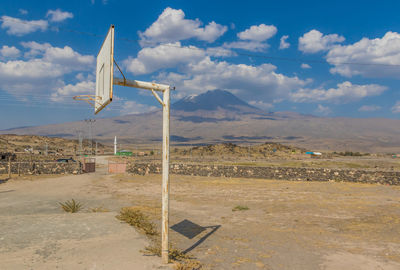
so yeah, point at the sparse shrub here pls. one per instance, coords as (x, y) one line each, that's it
(138, 220)
(240, 208)
(71, 206)
(188, 265)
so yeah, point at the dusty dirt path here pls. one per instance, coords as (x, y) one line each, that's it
(289, 225)
(36, 234)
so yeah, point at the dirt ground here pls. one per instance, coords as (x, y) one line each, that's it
(288, 225)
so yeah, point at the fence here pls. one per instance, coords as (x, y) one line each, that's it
(40, 167)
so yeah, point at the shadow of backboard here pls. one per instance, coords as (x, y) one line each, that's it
(188, 228)
(191, 230)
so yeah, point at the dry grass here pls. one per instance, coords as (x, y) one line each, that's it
(240, 208)
(71, 206)
(135, 217)
(138, 220)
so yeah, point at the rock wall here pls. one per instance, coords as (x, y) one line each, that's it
(283, 173)
(41, 168)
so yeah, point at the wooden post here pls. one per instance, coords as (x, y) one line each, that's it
(19, 172)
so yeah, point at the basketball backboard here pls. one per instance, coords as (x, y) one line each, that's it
(105, 72)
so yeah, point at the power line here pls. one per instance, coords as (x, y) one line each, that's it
(216, 49)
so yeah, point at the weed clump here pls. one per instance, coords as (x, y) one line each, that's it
(71, 206)
(138, 220)
(240, 208)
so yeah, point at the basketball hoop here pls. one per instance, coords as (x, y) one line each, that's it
(90, 99)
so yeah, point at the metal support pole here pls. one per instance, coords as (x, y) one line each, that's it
(165, 177)
(9, 167)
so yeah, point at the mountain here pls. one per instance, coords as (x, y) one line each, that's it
(214, 100)
(219, 116)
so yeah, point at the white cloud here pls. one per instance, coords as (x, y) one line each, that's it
(58, 15)
(43, 74)
(169, 55)
(258, 33)
(35, 48)
(9, 52)
(261, 104)
(247, 81)
(171, 26)
(324, 110)
(344, 92)
(20, 27)
(305, 66)
(283, 43)
(80, 88)
(369, 108)
(396, 107)
(132, 107)
(253, 46)
(314, 41)
(379, 51)
(252, 38)
(23, 11)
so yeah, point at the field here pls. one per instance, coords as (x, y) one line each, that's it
(224, 223)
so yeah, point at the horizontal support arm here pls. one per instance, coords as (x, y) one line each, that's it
(139, 84)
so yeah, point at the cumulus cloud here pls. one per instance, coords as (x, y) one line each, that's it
(35, 48)
(369, 108)
(244, 80)
(171, 26)
(396, 107)
(344, 92)
(23, 11)
(80, 88)
(252, 39)
(44, 73)
(324, 110)
(261, 105)
(305, 66)
(314, 41)
(132, 107)
(253, 46)
(258, 33)
(377, 52)
(283, 43)
(20, 27)
(58, 15)
(163, 56)
(9, 52)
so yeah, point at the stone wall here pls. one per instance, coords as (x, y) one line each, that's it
(279, 173)
(41, 168)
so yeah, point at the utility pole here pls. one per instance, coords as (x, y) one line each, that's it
(80, 143)
(90, 122)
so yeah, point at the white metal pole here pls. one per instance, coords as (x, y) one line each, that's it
(165, 177)
(115, 145)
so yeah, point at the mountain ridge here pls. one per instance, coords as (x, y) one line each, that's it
(229, 119)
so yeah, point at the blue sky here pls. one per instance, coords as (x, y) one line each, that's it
(337, 59)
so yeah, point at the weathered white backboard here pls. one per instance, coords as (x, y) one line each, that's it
(105, 72)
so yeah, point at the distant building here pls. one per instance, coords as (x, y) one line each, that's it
(314, 154)
(124, 153)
